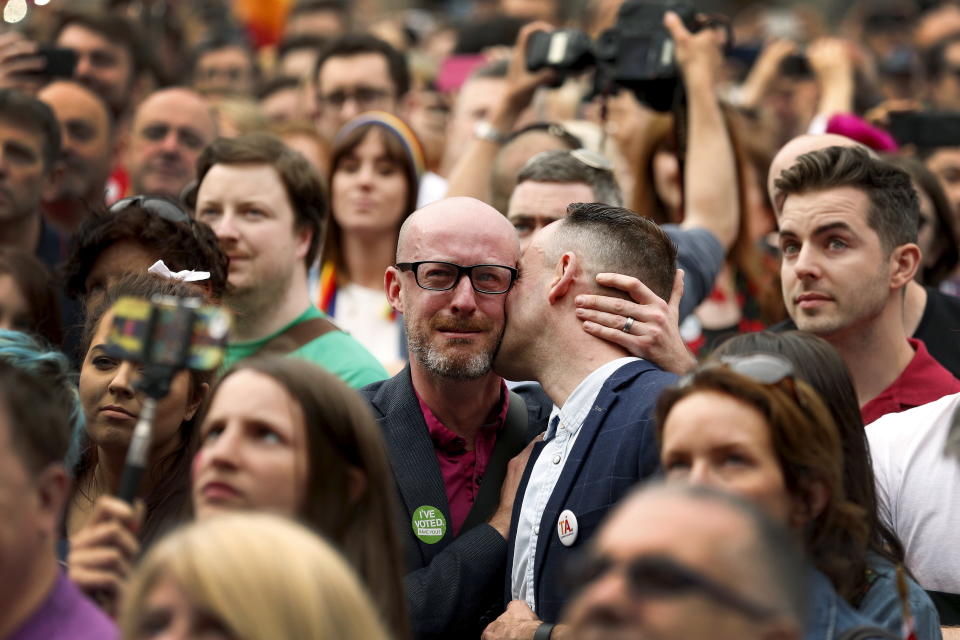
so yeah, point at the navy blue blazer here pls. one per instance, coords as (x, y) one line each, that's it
(453, 585)
(615, 448)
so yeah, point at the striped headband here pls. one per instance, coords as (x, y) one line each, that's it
(396, 126)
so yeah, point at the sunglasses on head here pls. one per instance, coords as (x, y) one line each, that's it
(160, 207)
(659, 576)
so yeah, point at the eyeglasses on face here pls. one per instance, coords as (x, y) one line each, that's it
(659, 576)
(443, 276)
(364, 97)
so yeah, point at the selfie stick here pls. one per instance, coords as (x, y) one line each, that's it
(155, 384)
(139, 453)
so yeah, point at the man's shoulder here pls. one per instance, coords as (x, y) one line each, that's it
(387, 394)
(640, 377)
(913, 424)
(342, 355)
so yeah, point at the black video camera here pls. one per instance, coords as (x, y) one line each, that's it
(637, 53)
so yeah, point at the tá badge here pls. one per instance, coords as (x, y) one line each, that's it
(429, 525)
(567, 528)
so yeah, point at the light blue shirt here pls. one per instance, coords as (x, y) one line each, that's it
(561, 435)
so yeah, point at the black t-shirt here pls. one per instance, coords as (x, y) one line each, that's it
(939, 329)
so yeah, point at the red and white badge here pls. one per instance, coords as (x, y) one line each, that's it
(567, 528)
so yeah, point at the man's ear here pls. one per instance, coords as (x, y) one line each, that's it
(52, 487)
(904, 262)
(304, 236)
(391, 286)
(568, 268)
(51, 183)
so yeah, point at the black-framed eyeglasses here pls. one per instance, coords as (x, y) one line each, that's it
(160, 207)
(364, 97)
(659, 576)
(443, 276)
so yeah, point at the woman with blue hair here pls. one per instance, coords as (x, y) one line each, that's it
(24, 351)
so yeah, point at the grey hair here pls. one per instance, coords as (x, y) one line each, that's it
(563, 166)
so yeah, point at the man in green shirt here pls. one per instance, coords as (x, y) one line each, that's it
(268, 208)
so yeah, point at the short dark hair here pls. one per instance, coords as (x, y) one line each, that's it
(37, 415)
(354, 44)
(304, 187)
(113, 27)
(276, 85)
(226, 40)
(180, 245)
(617, 240)
(894, 211)
(305, 41)
(314, 6)
(30, 113)
(563, 166)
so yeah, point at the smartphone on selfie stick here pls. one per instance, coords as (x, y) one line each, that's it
(164, 335)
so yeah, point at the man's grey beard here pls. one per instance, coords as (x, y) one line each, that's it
(436, 362)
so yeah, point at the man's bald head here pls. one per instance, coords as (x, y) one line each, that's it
(170, 129)
(455, 217)
(800, 145)
(452, 333)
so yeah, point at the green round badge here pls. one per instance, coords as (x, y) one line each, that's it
(429, 525)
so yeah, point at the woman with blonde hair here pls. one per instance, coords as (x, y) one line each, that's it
(251, 576)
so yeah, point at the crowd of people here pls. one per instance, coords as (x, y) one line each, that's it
(548, 319)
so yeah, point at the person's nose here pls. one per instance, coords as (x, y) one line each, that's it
(464, 297)
(170, 143)
(609, 593)
(806, 266)
(701, 474)
(350, 109)
(83, 67)
(122, 383)
(222, 452)
(225, 228)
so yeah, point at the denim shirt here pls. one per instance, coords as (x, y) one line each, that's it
(882, 604)
(829, 615)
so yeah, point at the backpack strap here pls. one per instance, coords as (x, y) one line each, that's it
(297, 336)
(510, 442)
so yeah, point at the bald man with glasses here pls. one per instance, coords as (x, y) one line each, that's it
(450, 423)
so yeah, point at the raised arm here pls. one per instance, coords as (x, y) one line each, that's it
(710, 175)
(470, 175)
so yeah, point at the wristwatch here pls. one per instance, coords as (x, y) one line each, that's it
(544, 631)
(486, 131)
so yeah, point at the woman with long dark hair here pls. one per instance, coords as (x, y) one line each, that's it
(374, 172)
(747, 424)
(285, 436)
(112, 404)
